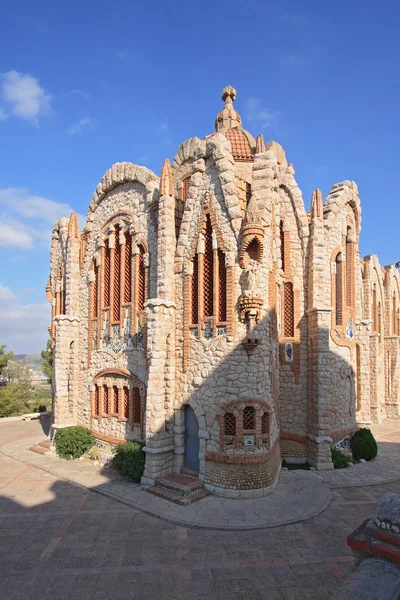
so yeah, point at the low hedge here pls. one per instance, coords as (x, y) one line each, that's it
(73, 442)
(129, 460)
(340, 460)
(363, 444)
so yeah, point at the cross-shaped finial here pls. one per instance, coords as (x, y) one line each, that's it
(228, 92)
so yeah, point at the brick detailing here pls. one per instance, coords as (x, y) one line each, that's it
(141, 294)
(221, 286)
(249, 418)
(208, 278)
(95, 293)
(288, 310)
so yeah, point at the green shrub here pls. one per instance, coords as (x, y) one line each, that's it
(73, 442)
(340, 460)
(129, 460)
(363, 444)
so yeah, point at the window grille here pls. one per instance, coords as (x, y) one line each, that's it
(282, 238)
(195, 290)
(265, 423)
(249, 418)
(185, 190)
(179, 208)
(117, 277)
(115, 399)
(96, 407)
(141, 280)
(349, 268)
(128, 268)
(95, 292)
(230, 424)
(105, 400)
(339, 291)
(221, 286)
(106, 275)
(136, 405)
(208, 283)
(126, 402)
(288, 310)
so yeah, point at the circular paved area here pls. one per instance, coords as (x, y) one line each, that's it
(299, 495)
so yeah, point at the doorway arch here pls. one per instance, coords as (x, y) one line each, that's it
(192, 443)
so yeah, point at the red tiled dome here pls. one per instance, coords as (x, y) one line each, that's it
(241, 148)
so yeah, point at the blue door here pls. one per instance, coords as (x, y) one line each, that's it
(191, 440)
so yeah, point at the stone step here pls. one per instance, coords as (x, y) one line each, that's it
(38, 449)
(183, 485)
(186, 471)
(45, 444)
(177, 498)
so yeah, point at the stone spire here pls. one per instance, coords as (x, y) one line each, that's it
(228, 118)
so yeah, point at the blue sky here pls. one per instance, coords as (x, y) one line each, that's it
(84, 85)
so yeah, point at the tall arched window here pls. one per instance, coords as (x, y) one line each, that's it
(115, 400)
(208, 281)
(394, 317)
(282, 240)
(141, 280)
(105, 400)
(288, 310)
(128, 268)
(349, 268)
(221, 286)
(249, 418)
(338, 290)
(195, 290)
(117, 278)
(374, 309)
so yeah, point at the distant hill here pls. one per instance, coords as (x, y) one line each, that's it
(32, 360)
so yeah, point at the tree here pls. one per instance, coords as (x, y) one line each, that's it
(4, 358)
(16, 388)
(47, 362)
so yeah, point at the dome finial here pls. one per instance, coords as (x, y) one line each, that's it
(228, 118)
(228, 94)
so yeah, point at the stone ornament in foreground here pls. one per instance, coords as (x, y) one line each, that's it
(207, 314)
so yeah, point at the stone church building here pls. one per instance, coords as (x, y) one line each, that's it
(206, 313)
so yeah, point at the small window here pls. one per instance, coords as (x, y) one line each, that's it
(126, 402)
(230, 424)
(288, 310)
(249, 418)
(136, 405)
(115, 400)
(105, 400)
(265, 423)
(96, 408)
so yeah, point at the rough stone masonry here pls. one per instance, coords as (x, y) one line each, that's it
(207, 314)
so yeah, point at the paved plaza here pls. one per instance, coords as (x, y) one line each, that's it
(64, 533)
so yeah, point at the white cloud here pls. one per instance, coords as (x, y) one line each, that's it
(14, 234)
(6, 294)
(260, 115)
(28, 218)
(76, 128)
(23, 96)
(23, 327)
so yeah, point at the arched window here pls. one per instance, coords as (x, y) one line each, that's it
(105, 400)
(115, 400)
(374, 309)
(126, 402)
(95, 298)
(379, 317)
(288, 310)
(394, 317)
(265, 423)
(128, 268)
(230, 424)
(338, 290)
(117, 277)
(141, 280)
(221, 286)
(249, 415)
(282, 240)
(96, 407)
(208, 282)
(107, 273)
(180, 204)
(195, 290)
(349, 268)
(137, 411)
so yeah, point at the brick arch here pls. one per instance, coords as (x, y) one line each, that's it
(201, 228)
(119, 216)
